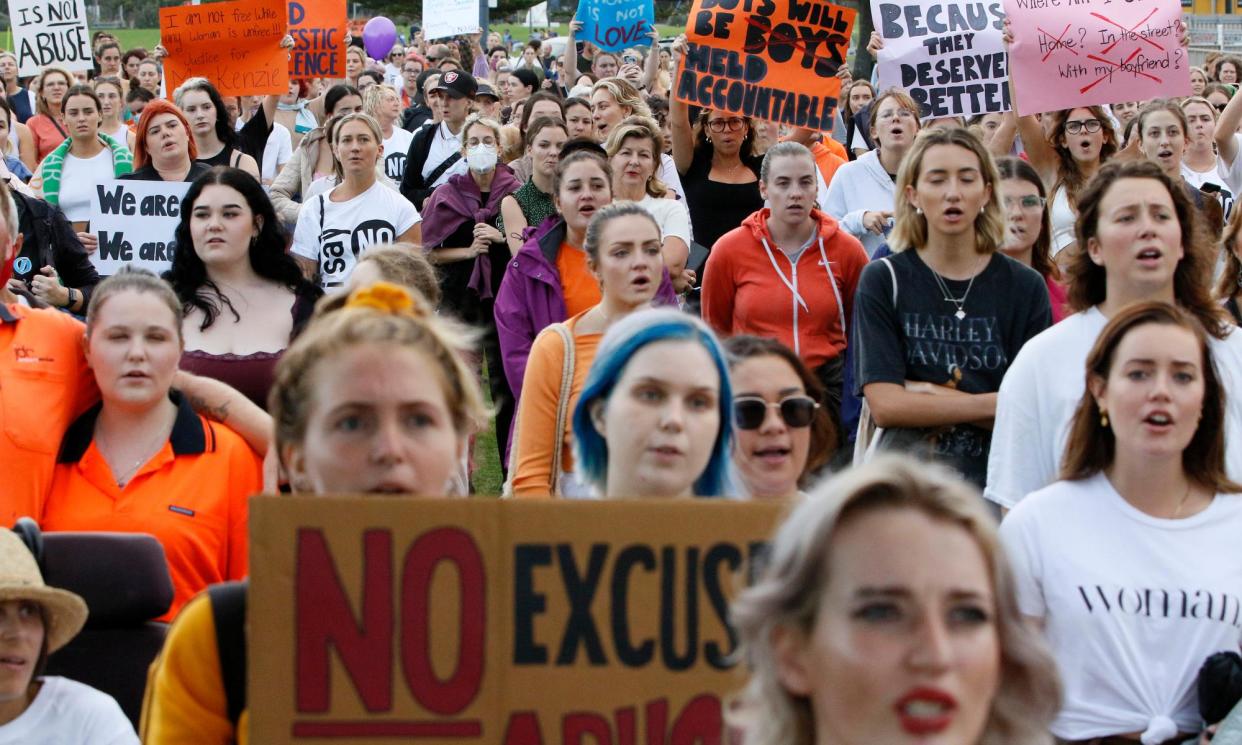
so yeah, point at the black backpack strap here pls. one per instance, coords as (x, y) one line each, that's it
(448, 163)
(228, 610)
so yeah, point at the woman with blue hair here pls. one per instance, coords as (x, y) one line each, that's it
(653, 419)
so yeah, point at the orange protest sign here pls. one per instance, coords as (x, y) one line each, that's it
(318, 30)
(487, 622)
(235, 45)
(770, 59)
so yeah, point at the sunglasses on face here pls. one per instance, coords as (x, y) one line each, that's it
(1090, 126)
(796, 411)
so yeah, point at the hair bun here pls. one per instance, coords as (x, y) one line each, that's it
(386, 297)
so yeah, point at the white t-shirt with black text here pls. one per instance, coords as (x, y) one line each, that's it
(336, 236)
(396, 149)
(1132, 604)
(66, 712)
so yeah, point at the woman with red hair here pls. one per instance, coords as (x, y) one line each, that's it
(164, 149)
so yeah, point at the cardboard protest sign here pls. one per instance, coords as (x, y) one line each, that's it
(947, 54)
(443, 18)
(235, 45)
(50, 32)
(1069, 53)
(318, 31)
(495, 622)
(771, 59)
(613, 25)
(135, 222)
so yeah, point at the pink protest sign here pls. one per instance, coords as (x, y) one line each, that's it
(1068, 53)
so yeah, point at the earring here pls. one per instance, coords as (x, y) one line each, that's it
(1103, 418)
(918, 210)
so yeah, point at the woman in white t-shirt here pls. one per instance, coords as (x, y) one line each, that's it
(1137, 227)
(1130, 562)
(634, 147)
(112, 110)
(335, 228)
(384, 103)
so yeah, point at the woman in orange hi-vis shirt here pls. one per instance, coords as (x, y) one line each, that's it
(142, 461)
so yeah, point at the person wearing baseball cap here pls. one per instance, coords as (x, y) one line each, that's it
(436, 148)
(487, 101)
(36, 620)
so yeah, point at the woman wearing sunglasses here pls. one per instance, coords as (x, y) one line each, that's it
(782, 436)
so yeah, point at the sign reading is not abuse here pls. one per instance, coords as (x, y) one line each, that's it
(50, 32)
(947, 54)
(771, 59)
(135, 222)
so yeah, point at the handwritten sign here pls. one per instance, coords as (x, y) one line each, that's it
(135, 222)
(442, 18)
(1069, 53)
(486, 622)
(774, 59)
(318, 31)
(235, 45)
(613, 25)
(50, 32)
(947, 54)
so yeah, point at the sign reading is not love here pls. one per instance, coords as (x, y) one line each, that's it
(613, 25)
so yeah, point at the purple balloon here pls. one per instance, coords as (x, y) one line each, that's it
(378, 36)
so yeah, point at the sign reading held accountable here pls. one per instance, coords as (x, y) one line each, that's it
(235, 45)
(771, 59)
(487, 622)
(135, 222)
(443, 18)
(947, 54)
(50, 32)
(613, 25)
(318, 31)
(1070, 53)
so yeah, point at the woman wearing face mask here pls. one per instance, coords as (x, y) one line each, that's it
(1143, 502)
(181, 478)
(369, 358)
(1137, 227)
(48, 126)
(624, 253)
(1163, 134)
(216, 140)
(861, 196)
(653, 419)
(1027, 229)
(613, 100)
(938, 322)
(532, 203)
(886, 614)
(164, 148)
(313, 158)
(112, 110)
(358, 212)
(782, 435)
(752, 283)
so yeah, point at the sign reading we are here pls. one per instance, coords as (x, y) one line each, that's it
(135, 222)
(481, 621)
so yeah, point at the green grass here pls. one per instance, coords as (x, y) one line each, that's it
(487, 476)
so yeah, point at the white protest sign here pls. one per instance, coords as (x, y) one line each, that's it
(442, 18)
(135, 222)
(947, 54)
(50, 32)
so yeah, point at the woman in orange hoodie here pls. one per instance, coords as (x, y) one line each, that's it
(788, 272)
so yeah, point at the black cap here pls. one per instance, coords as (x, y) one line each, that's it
(458, 84)
(486, 90)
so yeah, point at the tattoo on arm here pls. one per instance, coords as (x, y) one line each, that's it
(219, 413)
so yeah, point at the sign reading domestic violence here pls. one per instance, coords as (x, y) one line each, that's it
(771, 59)
(318, 31)
(50, 32)
(443, 18)
(235, 45)
(486, 622)
(1068, 53)
(613, 25)
(947, 54)
(135, 222)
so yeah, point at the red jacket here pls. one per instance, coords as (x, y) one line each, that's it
(752, 289)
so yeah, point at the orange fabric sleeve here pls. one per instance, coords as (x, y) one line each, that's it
(536, 419)
(246, 480)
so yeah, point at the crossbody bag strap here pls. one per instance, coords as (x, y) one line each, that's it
(562, 403)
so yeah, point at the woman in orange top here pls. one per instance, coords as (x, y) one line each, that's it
(47, 126)
(624, 253)
(142, 461)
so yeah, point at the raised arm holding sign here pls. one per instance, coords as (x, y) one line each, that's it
(235, 45)
(613, 25)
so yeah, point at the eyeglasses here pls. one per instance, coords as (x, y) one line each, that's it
(896, 114)
(1029, 202)
(796, 411)
(1090, 125)
(720, 125)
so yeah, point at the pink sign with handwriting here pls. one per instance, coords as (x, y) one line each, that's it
(1068, 53)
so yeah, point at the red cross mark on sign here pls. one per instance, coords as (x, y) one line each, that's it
(1115, 67)
(1058, 44)
(1128, 32)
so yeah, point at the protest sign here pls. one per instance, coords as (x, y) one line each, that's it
(235, 45)
(442, 18)
(613, 25)
(318, 31)
(50, 32)
(485, 622)
(135, 222)
(771, 59)
(1070, 53)
(947, 54)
